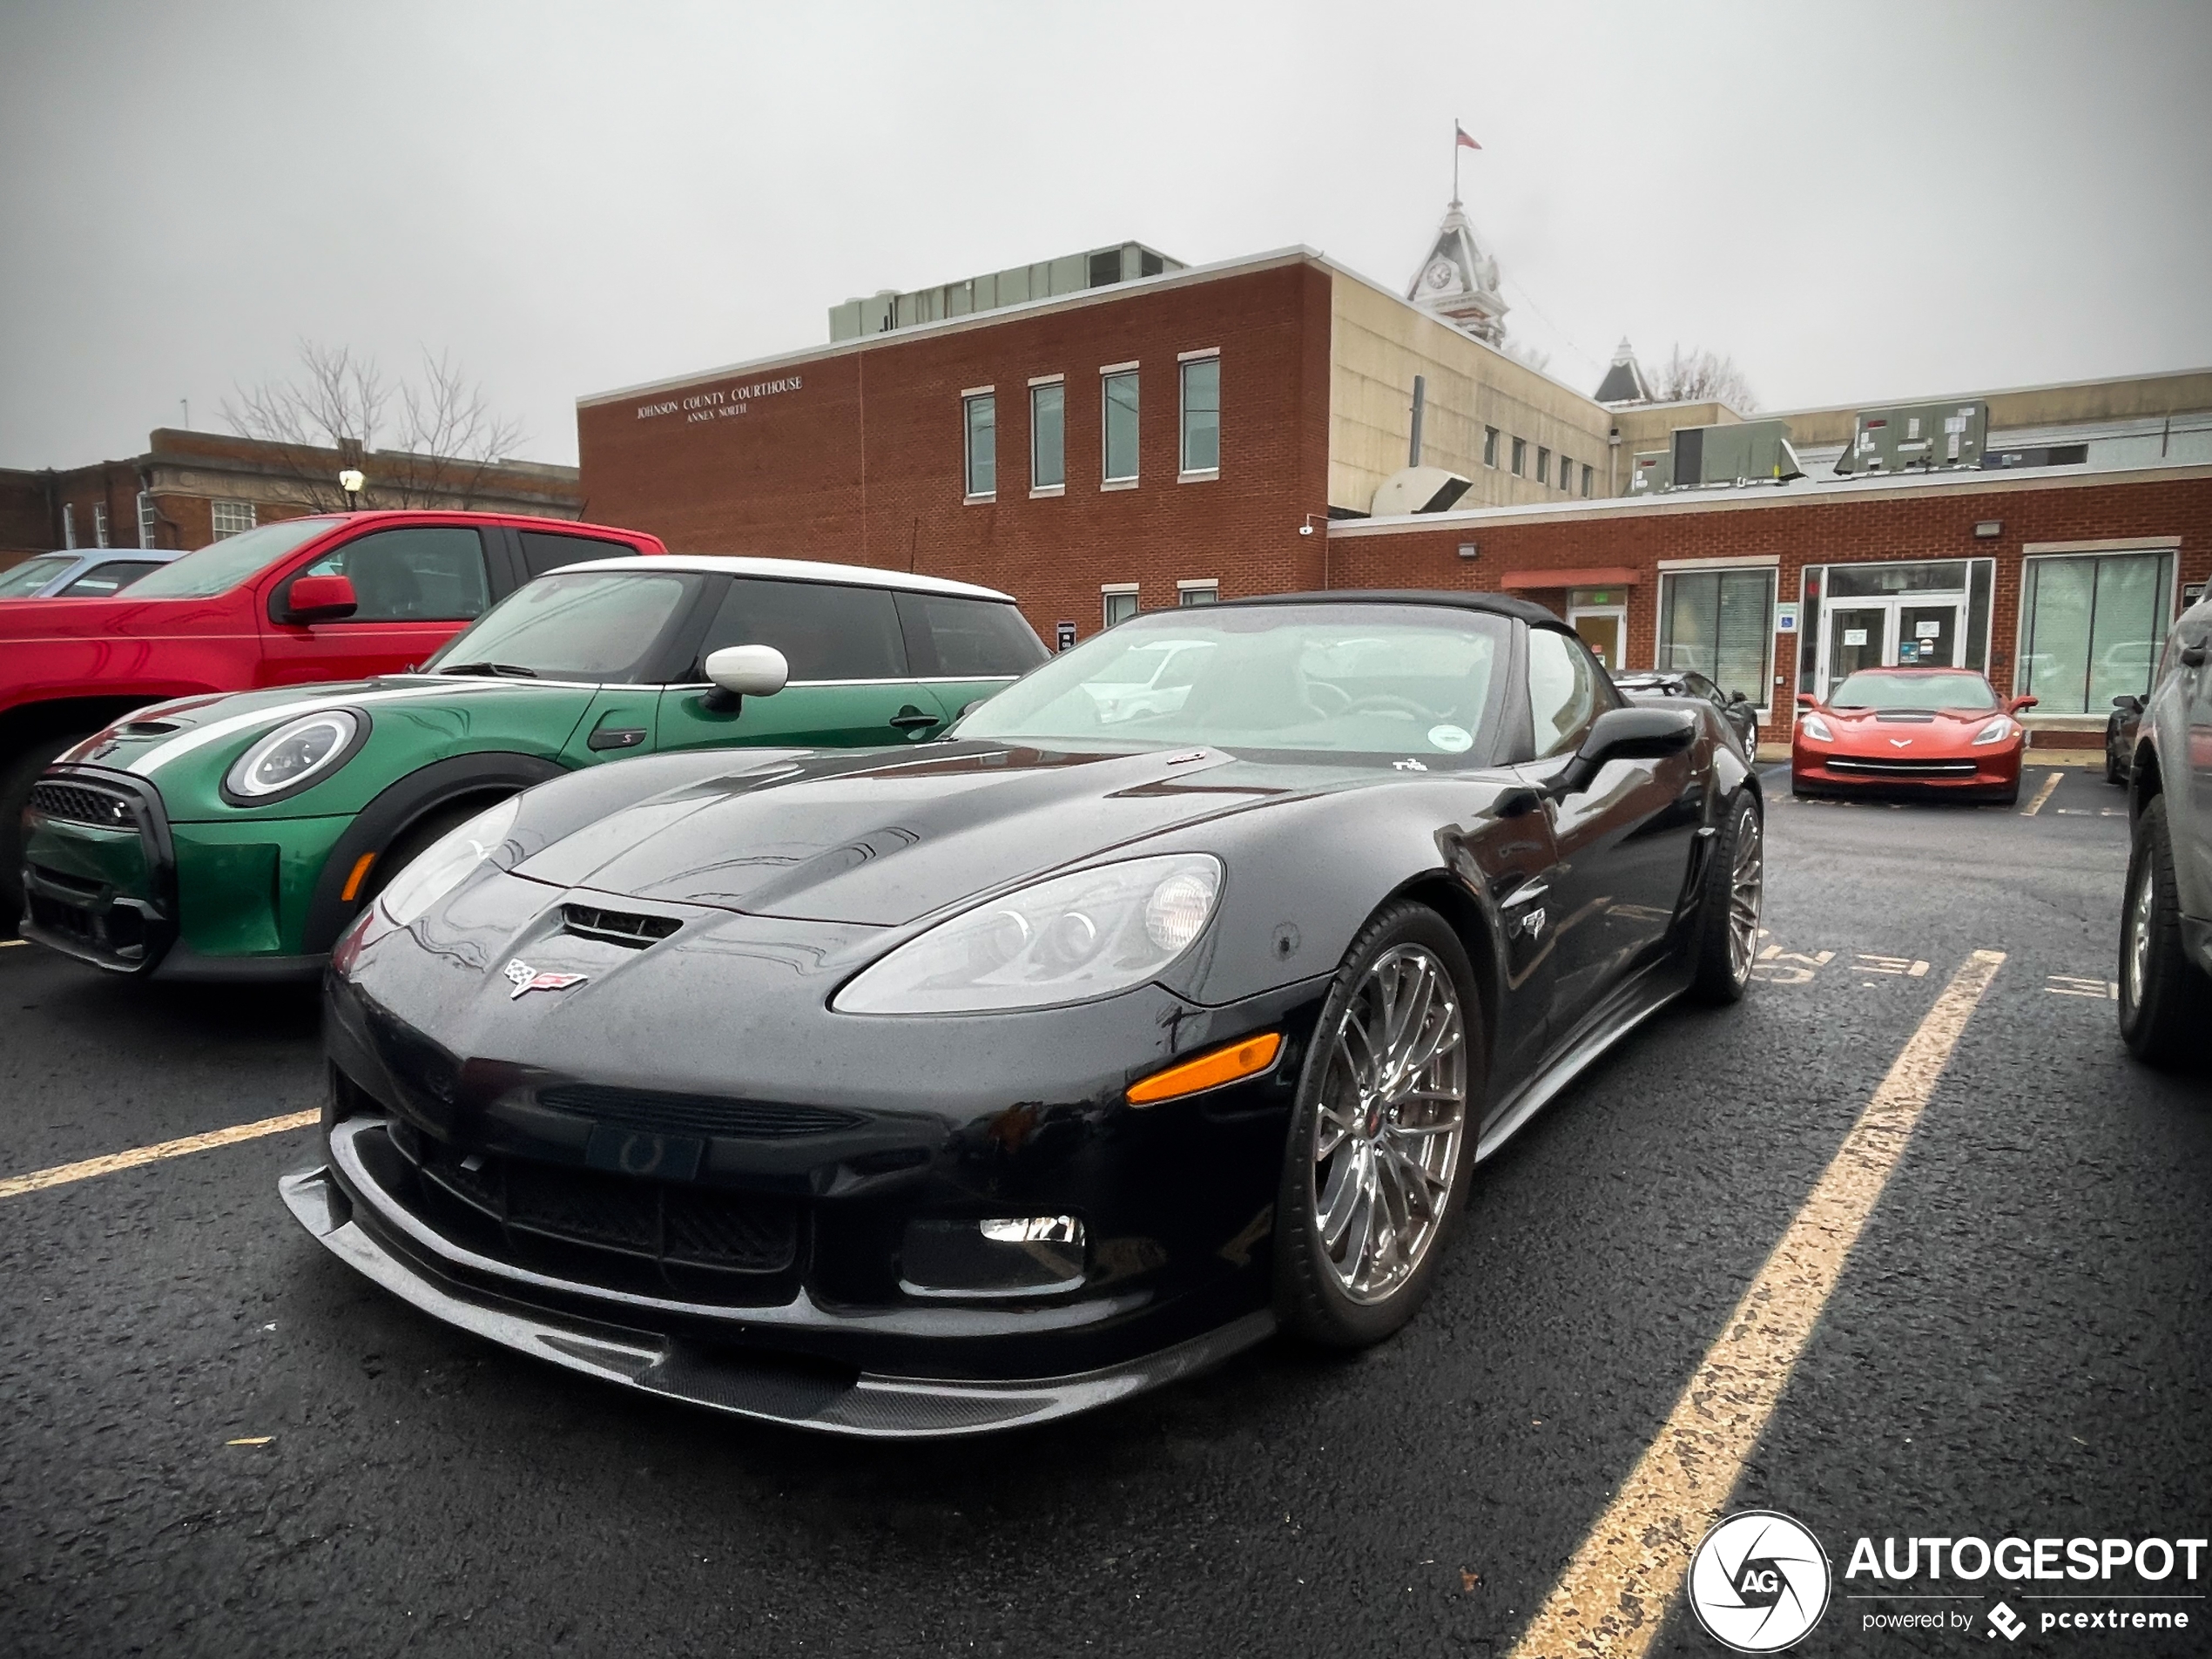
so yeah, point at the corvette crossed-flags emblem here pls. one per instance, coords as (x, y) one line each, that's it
(523, 978)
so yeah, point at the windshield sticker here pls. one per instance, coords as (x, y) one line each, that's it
(1452, 739)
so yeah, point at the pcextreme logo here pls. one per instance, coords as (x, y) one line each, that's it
(1758, 1581)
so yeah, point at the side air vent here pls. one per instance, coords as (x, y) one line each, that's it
(625, 927)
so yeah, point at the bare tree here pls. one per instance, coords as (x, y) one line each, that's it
(1529, 356)
(444, 436)
(1704, 376)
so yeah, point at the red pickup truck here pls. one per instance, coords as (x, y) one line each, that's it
(335, 597)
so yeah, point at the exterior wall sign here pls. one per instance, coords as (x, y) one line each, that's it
(696, 406)
(1785, 618)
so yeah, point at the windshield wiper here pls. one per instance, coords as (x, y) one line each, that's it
(508, 670)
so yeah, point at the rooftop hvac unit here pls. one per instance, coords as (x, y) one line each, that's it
(1748, 452)
(1652, 473)
(1419, 489)
(1070, 274)
(1917, 435)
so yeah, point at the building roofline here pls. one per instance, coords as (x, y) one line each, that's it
(2001, 391)
(1190, 275)
(1799, 492)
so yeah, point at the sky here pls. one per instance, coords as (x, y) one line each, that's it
(1858, 203)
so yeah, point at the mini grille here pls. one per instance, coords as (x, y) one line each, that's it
(80, 804)
(650, 1109)
(618, 927)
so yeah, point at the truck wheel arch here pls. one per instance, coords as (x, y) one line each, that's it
(402, 804)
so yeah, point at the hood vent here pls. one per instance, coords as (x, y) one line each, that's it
(1905, 717)
(628, 928)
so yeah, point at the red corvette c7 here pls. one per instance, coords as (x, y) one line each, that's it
(1927, 730)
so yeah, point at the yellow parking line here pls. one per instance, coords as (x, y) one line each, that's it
(62, 1174)
(1614, 1594)
(2042, 795)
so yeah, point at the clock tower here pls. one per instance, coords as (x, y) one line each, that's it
(1458, 282)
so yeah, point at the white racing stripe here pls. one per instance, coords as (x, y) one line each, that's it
(319, 700)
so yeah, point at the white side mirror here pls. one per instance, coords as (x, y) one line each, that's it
(748, 670)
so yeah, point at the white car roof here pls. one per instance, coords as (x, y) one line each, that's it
(795, 570)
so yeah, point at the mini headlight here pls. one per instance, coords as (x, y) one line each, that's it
(1813, 726)
(1065, 939)
(295, 752)
(448, 861)
(1996, 732)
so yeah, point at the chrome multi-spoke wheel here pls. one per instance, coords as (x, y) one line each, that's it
(2134, 956)
(1390, 1125)
(1746, 886)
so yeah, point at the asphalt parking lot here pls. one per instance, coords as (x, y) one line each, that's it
(218, 1440)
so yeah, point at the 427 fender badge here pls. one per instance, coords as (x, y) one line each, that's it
(523, 977)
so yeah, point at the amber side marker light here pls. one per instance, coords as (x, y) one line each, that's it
(1210, 1070)
(354, 880)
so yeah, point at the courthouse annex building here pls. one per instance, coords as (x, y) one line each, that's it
(1114, 431)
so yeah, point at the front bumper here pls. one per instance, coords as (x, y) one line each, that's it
(108, 879)
(1831, 770)
(410, 1262)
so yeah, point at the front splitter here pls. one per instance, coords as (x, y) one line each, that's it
(870, 1405)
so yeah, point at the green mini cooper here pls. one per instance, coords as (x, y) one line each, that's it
(234, 837)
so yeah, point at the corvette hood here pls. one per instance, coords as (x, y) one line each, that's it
(1937, 732)
(882, 839)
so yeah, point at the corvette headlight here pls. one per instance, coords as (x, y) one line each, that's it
(1813, 726)
(443, 865)
(294, 754)
(1065, 939)
(1996, 732)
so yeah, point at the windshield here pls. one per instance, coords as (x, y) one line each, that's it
(33, 574)
(222, 565)
(1870, 689)
(595, 625)
(1400, 680)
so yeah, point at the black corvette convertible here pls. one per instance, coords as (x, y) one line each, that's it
(937, 1090)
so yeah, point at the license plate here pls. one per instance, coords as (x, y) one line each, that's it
(648, 1156)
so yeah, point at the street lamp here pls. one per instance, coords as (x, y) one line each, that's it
(351, 481)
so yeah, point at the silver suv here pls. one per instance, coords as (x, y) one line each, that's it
(2165, 929)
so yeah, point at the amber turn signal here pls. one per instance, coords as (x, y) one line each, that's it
(1223, 1065)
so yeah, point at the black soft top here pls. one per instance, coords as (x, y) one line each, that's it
(1498, 604)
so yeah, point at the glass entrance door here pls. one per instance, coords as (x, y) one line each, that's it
(1858, 636)
(1927, 635)
(1602, 631)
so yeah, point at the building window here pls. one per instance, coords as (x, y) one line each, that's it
(1543, 465)
(1202, 416)
(1489, 446)
(1520, 457)
(1197, 593)
(231, 517)
(69, 524)
(149, 521)
(1118, 396)
(1720, 624)
(1048, 436)
(2090, 627)
(1118, 601)
(99, 524)
(980, 420)
(1588, 477)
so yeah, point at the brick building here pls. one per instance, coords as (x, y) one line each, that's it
(189, 489)
(1158, 435)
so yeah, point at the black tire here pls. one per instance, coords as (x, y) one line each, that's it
(2114, 774)
(17, 776)
(1720, 962)
(1799, 789)
(2010, 798)
(1312, 1299)
(2164, 998)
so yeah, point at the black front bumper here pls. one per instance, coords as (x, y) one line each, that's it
(123, 920)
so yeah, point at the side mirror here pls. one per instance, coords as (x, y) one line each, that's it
(1627, 734)
(1807, 700)
(319, 598)
(1737, 697)
(2020, 702)
(740, 671)
(2132, 704)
